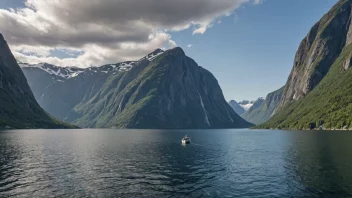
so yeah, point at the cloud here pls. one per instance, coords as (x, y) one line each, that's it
(189, 45)
(256, 2)
(105, 31)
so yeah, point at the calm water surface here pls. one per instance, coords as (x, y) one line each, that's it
(147, 163)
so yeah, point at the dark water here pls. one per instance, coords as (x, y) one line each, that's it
(132, 163)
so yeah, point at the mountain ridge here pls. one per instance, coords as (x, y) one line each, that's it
(164, 82)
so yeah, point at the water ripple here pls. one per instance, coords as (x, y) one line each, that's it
(95, 163)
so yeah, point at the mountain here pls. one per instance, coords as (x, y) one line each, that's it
(59, 89)
(319, 87)
(263, 109)
(162, 90)
(246, 104)
(18, 107)
(236, 107)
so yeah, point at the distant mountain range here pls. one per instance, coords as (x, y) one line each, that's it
(237, 107)
(18, 107)
(318, 89)
(260, 110)
(246, 104)
(263, 109)
(242, 106)
(165, 89)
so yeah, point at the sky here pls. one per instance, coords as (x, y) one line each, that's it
(249, 45)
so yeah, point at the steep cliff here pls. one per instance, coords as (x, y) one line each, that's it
(319, 87)
(171, 91)
(18, 108)
(318, 51)
(162, 90)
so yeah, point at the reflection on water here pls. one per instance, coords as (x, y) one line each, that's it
(147, 163)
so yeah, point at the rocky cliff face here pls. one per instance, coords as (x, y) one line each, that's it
(318, 51)
(319, 87)
(18, 108)
(162, 90)
(262, 110)
(171, 91)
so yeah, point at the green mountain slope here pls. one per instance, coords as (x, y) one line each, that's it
(18, 108)
(329, 103)
(171, 91)
(320, 84)
(318, 51)
(58, 96)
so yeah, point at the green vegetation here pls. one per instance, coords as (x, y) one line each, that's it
(163, 93)
(329, 103)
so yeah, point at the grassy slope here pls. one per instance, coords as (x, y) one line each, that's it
(330, 101)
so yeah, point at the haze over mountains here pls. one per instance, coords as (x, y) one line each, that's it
(260, 110)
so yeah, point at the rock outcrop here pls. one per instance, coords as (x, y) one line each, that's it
(318, 51)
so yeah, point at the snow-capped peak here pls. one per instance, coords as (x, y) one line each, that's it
(246, 104)
(63, 72)
(153, 55)
(72, 72)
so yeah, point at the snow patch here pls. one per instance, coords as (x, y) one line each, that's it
(72, 72)
(55, 70)
(246, 107)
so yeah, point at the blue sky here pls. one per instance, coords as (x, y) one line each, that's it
(250, 52)
(253, 54)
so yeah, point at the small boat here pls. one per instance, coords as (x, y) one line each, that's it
(186, 140)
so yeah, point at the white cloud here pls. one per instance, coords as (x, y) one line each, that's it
(189, 45)
(105, 31)
(256, 2)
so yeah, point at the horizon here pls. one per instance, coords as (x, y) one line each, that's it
(244, 23)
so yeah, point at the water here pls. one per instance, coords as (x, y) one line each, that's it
(146, 163)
